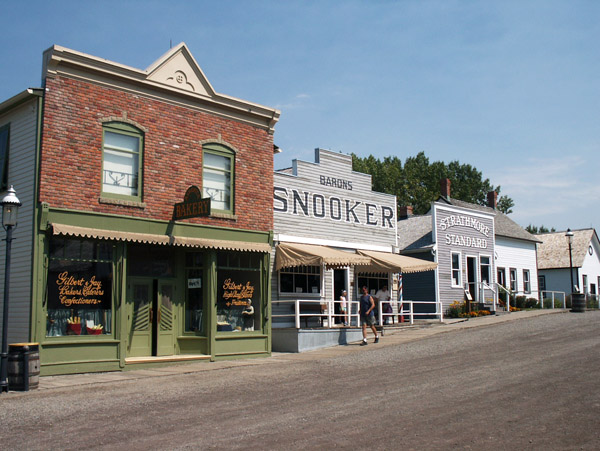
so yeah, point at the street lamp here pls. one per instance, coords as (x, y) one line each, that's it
(569, 236)
(10, 206)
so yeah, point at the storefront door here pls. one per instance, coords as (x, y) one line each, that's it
(150, 315)
(472, 277)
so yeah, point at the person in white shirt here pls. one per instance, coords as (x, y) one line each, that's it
(383, 301)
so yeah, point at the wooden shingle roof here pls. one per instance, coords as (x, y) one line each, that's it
(554, 251)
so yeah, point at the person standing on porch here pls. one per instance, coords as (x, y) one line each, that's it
(367, 315)
(383, 301)
(343, 304)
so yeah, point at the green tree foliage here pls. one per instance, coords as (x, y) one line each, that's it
(417, 182)
(541, 229)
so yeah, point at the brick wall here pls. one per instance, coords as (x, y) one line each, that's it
(71, 166)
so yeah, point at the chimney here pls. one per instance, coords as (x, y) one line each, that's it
(445, 188)
(405, 212)
(492, 199)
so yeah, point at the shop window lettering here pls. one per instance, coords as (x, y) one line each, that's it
(73, 291)
(237, 293)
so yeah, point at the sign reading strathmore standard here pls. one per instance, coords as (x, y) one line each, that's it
(328, 200)
(464, 240)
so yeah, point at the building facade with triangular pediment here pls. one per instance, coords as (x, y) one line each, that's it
(146, 227)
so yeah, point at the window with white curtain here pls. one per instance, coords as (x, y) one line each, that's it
(121, 160)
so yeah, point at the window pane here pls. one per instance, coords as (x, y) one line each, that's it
(217, 185)
(121, 163)
(217, 162)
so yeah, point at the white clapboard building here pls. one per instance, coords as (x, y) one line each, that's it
(481, 253)
(331, 233)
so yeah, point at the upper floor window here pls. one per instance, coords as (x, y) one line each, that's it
(121, 160)
(4, 133)
(217, 176)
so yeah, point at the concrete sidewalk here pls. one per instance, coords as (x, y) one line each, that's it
(393, 336)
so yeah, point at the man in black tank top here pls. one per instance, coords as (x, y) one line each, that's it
(367, 315)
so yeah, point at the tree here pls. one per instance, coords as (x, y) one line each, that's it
(534, 230)
(417, 182)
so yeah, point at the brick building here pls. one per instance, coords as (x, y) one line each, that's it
(119, 257)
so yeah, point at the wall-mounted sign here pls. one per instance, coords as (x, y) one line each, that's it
(193, 205)
(80, 289)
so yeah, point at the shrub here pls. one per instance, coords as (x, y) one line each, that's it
(531, 303)
(456, 310)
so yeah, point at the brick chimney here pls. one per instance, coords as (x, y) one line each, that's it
(492, 199)
(405, 212)
(445, 187)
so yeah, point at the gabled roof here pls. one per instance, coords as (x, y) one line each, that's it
(415, 233)
(175, 77)
(503, 225)
(553, 253)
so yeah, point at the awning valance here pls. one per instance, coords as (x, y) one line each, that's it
(85, 232)
(288, 255)
(388, 262)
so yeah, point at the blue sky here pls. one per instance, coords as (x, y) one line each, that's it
(512, 88)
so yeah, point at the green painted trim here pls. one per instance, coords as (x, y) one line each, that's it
(239, 336)
(79, 367)
(210, 263)
(151, 226)
(239, 356)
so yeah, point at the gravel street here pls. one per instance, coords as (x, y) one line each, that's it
(530, 383)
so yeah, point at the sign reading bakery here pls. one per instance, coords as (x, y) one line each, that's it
(457, 229)
(326, 199)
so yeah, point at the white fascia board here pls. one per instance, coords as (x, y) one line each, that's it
(282, 238)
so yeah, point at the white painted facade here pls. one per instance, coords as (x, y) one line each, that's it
(520, 256)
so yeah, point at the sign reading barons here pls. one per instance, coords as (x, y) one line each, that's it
(317, 205)
(464, 240)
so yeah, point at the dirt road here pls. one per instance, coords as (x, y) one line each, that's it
(527, 384)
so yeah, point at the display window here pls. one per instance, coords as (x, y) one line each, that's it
(373, 281)
(300, 279)
(239, 306)
(79, 288)
(194, 309)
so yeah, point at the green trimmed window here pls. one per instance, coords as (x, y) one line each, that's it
(4, 134)
(217, 177)
(122, 146)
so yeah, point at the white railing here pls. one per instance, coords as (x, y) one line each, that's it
(553, 294)
(482, 287)
(325, 312)
(406, 308)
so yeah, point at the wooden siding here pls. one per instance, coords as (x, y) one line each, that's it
(465, 239)
(327, 200)
(21, 173)
(520, 255)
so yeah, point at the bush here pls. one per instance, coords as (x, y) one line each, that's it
(518, 302)
(456, 310)
(558, 303)
(531, 303)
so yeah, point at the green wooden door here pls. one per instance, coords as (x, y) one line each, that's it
(140, 295)
(166, 319)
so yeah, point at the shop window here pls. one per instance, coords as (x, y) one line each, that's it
(194, 310)
(526, 281)
(513, 280)
(373, 281)
(300, 279)
(485, 268)
(239, 291)
(150, 261)
(121, 161)
(79, 288)
(456, 270)
(4, 135)
(217, 177)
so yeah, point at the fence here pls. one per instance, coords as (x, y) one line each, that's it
(324, 311)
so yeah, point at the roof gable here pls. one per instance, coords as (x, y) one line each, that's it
(178, 69)
(554, 250)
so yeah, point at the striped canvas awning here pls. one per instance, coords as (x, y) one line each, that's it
(388, 262)
(85, 232)
(289, 255)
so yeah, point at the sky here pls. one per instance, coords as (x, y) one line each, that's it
(509, 87)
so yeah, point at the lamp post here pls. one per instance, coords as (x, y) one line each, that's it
(569, 236)
(10, 206)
